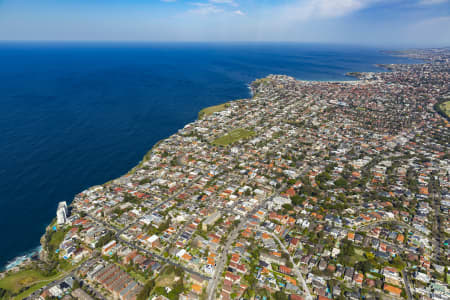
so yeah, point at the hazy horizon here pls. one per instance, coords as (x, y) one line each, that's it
(380, 23)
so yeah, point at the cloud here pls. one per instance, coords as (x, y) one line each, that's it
(323, 9)
(214, 7)
(239, 12)
(229, 2)
(432, 2)
(205, 8)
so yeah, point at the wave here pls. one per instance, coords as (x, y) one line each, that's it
(20, 259)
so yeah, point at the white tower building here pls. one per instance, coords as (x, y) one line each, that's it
(61, 213)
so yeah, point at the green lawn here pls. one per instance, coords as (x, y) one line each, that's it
(33, 279)
(212, 109)
(31, 290)
(233, 136)
(16, 281)
(446, 107)
(43, 281)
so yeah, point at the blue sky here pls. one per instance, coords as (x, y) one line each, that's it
(370, 22)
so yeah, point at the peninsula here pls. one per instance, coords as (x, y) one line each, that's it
(308, 190)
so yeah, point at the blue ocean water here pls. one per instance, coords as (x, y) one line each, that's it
(75, 115)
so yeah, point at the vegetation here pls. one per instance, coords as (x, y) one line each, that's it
(445, 107)
(234, 136)
(172, 277)
(148, 287)
(16, 281)
(21, 284)
(212, 109)
(105, 239)
(132, 199)
(4, 294)
(53, 239)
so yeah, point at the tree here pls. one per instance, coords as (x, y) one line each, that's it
(287, 207)
(131, 198)
(347, 250)
(76, 284)
(398, 263)
(363, 266)
(280, 296)
(340, 182)
(297, 200)
(160, 290)
(5, 294)
(105, 239)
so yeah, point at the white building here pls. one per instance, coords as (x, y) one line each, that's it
(278, 202)
(210, 220)
(61, 213)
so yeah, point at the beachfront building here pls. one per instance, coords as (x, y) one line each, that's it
(61, 213)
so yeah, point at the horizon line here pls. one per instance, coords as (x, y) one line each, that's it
(88, 41)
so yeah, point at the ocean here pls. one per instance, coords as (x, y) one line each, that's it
(74, 115)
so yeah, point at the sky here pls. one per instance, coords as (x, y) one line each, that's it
(366, 22)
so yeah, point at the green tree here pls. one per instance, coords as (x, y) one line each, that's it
(76, 284)
(5, 294)
(340, 182)
(363, 266)
(105, 239)
(280, 296)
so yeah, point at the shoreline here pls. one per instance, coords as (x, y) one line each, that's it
(18, 261)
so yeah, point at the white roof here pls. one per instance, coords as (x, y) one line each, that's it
(153, 238)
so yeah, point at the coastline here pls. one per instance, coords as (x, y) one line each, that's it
(26, 258)
(19, 261)
(207, 120)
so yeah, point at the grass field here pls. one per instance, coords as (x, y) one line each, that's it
(233, 136)
(15, 282)
(33, 279)
(212, 109)
(446, 108)
(31, 290)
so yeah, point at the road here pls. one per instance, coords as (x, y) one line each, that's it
(372, 225)
(132, 245)
(177, 235)
(406, 282)
(437, 236)
(166, 260)
(36, 294)
(161, 204)
(296, 270)
(212, 286)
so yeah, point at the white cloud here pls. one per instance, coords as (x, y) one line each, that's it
(214, 7)
(229, 2)
(322, 9)
(333, 8)
(432, 2)
(239, 12)
(205, 9)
